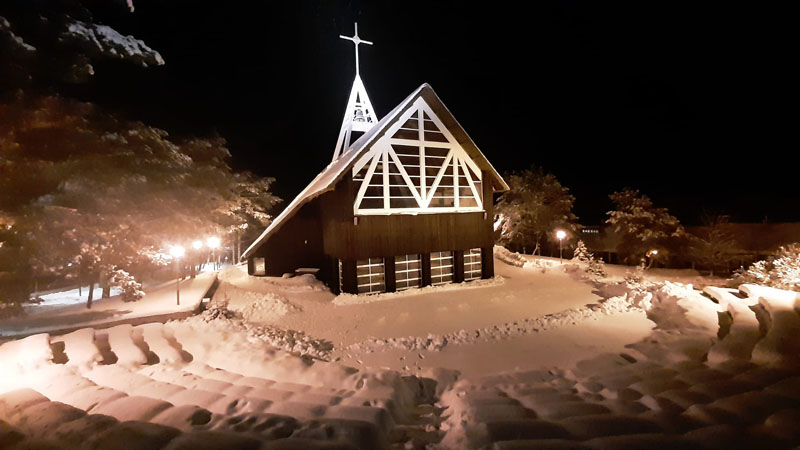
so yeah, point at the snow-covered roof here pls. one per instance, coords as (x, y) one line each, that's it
(328, 178)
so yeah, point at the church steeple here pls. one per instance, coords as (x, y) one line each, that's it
(359, 115)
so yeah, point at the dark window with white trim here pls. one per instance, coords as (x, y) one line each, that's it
(408, 271)
(370, 274)
(472, 264)
(441, 267)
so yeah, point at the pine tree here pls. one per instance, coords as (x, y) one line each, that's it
(581, 253)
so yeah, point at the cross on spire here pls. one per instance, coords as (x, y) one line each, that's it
(359, 115)
(356, 40)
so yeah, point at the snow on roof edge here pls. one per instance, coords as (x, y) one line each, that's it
(331, 174)
(335, 168)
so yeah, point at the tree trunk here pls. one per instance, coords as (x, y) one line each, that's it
(105, 285)
(91, 294)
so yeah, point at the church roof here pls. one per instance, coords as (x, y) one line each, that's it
(327, 179)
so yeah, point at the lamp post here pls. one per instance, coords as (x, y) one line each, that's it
(177, 252)
(213, 244)
(560, 235)
(196, 245)
(651, 255)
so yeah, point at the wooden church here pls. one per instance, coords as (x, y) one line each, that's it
(407, 204)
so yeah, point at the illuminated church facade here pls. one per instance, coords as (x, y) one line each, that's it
(407, 204)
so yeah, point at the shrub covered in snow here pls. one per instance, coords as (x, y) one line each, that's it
(781, 271)
(585, 258)
(581, 253)
(635, 279)
(131, 289)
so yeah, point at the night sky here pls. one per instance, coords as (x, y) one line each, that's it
(694, 105)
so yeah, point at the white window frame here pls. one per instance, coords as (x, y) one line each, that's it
(382, 151)
(376, 270)
(473, 268)
(341, 285)
(437, 258)
(401, 264)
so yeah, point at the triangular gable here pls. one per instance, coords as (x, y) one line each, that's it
(417, 166)
(336, 170)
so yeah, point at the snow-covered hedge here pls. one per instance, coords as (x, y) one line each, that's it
(781, 271)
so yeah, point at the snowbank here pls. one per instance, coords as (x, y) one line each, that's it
(238, 277)
(351, 299)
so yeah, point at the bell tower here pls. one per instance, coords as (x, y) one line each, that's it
(359, 115)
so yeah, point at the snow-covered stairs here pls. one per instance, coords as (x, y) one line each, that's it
(141, 384)
(677, 389)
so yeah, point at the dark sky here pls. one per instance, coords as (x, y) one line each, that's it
(693, 104)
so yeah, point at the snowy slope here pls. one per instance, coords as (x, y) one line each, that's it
(539, 359)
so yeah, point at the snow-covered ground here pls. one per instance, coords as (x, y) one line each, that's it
(158, 300)
(540, 357)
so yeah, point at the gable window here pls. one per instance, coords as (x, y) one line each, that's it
(408, 271)
(417, 166)
(441, 268)
(472, 264)
(370, 275)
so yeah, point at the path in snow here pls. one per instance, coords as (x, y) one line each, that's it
(159, 303)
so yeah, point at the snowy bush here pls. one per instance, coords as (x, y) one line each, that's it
(585, 258)
(217, 310)
(509, 257)
(581, 253)
(131, 289)
(780, 271)
(635, 280)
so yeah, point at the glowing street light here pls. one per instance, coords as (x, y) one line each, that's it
(197, 245)
(560, 235)
(651, 255)
(177, 252)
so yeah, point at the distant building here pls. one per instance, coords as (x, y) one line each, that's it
(753, 241)
(600, 240)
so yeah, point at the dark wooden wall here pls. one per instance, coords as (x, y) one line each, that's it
(298, 243)
(399, 234)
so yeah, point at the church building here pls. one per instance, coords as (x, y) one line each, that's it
(407, 204)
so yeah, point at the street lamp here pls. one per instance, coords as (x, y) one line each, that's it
(560, 235)
(651, 255)
(213, 244)
(177, 252)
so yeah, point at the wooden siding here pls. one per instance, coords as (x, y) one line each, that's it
(346, 236)
(297, 244)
